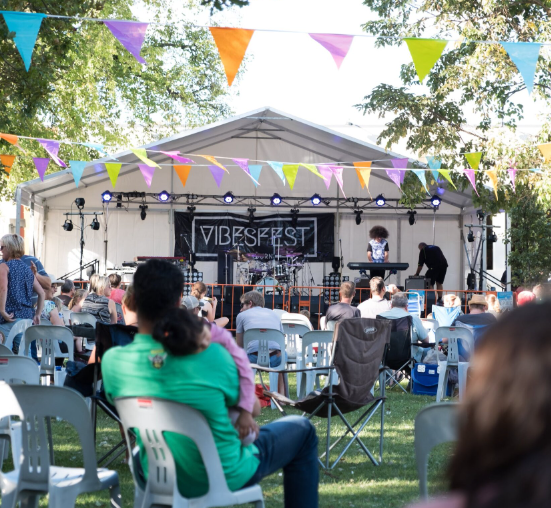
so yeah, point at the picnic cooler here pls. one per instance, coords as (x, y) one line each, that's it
(424, 377)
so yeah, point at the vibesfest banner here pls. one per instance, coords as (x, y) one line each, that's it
(210, 233)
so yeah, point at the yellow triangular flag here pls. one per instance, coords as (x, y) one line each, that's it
(182, 172)
(446, 174)
(425, 53)
(7, 162)
(313, 169)
(211, 159)
(142, 155)
(492, 174)
(473, 158)
(113, 170)
(232, 44)
(363, 170)
(545, 150)
(290, 171)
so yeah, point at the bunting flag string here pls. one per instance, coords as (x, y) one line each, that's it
(278, 168)
(41, 165)
(212, 160)
(525, 56)
(243, 164)
(363, 170)
(254, 172)
(7, 162)
(492, 174)
(232, 44)
(182, 172)
(473, 158)
(176, 156)
(290, 171)
(77, 169)
(337, 171)
(141, 153)
(113, 170)
(327, 173)
(469, 173)
(545, 150)
(398, 173)
(337, 45)
(446, 174)
(147, 173)
(130, 34)
(313, 169)
(425, 53)
(217, 174)
(26, 26)
(434, 164)
(52, 147)
(422, 177)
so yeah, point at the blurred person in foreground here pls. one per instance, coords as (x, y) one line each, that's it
(501, 458)
(525, 297)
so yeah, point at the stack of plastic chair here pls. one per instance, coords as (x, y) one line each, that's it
(322, 340)
(19, 327)
(294, 327)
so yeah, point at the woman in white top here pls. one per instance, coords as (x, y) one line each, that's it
(377, 303)
(377, 249)
(199, 291)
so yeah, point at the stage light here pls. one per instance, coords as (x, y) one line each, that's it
(294, 217)
(470, 236)
(68, 226)
(251, 215)
(119, 201)
(411, 218)
(316, 200)
(380, 200)
(492, 237)
(143, 213)
(95, 224)
(80, 203)
(435, 201)
(191, 210)
(228, 198)
(106, 197)
(275, 199)
(163, 196)
(480, 215)
(358, 216)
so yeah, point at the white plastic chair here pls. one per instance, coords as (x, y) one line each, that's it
(296, 318)
(152, 418)
(306, 380)
(434, 424)
(430, 325)
(66, 316)
(19, 327)
(264, 336)
(80, 318)
(323, 323)
(33, 404)
(5, 351)
(280, 312)
(47, 342)
(454, 334)
(294, 330)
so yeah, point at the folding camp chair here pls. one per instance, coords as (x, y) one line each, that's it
(359, 345)
(36, 476)
(154, 418)
(445, 315)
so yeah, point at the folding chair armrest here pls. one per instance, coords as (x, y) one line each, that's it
(285, 371)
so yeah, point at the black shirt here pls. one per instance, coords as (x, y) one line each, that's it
(433, 257)
(339, 311)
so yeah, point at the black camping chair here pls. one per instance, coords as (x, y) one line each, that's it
(359, 345)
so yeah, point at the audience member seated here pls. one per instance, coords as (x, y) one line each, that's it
(67, 292)
(343, 310)
(392, 289)
(525, 297)
(503, 445)
(194, 306)
(478, 318)
(450, 302)
(199, 291)
(116, 292)
(306, 313)
(98, 303)
(399, 309)
(172, 358)
(377, 303)
(75, 305)
(17, 283)
(93, 283)
(493, 305)
(50, 311)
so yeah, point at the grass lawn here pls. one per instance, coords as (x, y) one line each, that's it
(354, 482)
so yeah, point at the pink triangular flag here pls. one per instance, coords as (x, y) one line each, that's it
(130, 34)
(243, 164)
(338, 45)
(41, 164)
(147, 172)
(177, 157)
(327, 173)
(337, 171)
(400, 165)
(52, 147)
(217, 174)
(469, 173)
(512, 176)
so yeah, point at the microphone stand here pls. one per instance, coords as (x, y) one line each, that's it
(342, 260)
(191, 256)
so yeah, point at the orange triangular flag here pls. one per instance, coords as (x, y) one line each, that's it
(182, 172)
(10, 138)
(363, 170)
(212, 160)
(492, 174)
(232, 44)
(7, 162)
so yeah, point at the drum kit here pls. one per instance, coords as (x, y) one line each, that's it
(268, 272)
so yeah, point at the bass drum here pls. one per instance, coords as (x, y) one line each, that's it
(266, 281)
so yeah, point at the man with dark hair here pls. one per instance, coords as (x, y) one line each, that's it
(434, 258)
(67, 292)
(377, 249)
(343, 310)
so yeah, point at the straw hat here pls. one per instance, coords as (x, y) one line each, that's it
(477, 300)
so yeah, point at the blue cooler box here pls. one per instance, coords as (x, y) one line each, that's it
(424, 378)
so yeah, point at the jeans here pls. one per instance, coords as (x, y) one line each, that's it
(291, 444)
(275, 361)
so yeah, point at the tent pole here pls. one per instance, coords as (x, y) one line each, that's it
(338, 235)
(18, 211)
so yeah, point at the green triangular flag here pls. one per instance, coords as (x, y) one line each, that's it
(425, 53)
(290, 171)
(141, 153)
(313, 169)
(473, 158)
(446, 174)
(113, 171)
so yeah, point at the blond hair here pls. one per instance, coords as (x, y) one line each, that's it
(94, 282)
(198, 289)
(128, 299)
(14, 244)
(347, 289)
(452, 301)
(80, 294)
(102, 283)
(493, 303)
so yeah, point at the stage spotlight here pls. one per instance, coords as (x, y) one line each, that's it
(480, 215)
(68, 226)
(358, 216)
(163, 196)
(470, 236)
(435, 201)
(492, 237)
(191, 210)
(95, 224)
(80, 203)
(276, 199)
(143, 213)
(380, 200)
(251, 215)
(106, 197)
(316, 200)
(228, 198)
(119, 201)
(294, 217)
(411, 218)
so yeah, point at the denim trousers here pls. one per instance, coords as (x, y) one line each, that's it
(275, 361)
(291, 444)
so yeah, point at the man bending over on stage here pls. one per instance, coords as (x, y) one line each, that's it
(433, 257)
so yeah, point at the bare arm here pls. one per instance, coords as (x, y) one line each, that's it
(112, 311)
(55, 319)
(44, 280)
(386, 256)
(210, 310)
(239, 339)
(369, 257)
(40, 304)
(4, 271)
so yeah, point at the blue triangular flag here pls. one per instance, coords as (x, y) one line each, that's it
(434, 163)
(77, 168)
(278, 168)
(421, 175)
(254, 170)
(525, 56)
(26, 26)
(96, 146)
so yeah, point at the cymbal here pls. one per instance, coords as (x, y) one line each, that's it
(234, 253)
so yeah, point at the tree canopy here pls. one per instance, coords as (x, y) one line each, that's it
(84, 86)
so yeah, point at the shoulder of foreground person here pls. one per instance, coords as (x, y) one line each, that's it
(452, 500)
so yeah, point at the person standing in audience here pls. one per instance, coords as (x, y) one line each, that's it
(67, 292)
(377, 303)
(501, 457)
(167, 360)
(116, 292)
(98, 303)
(343, 310)
(17, 283)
